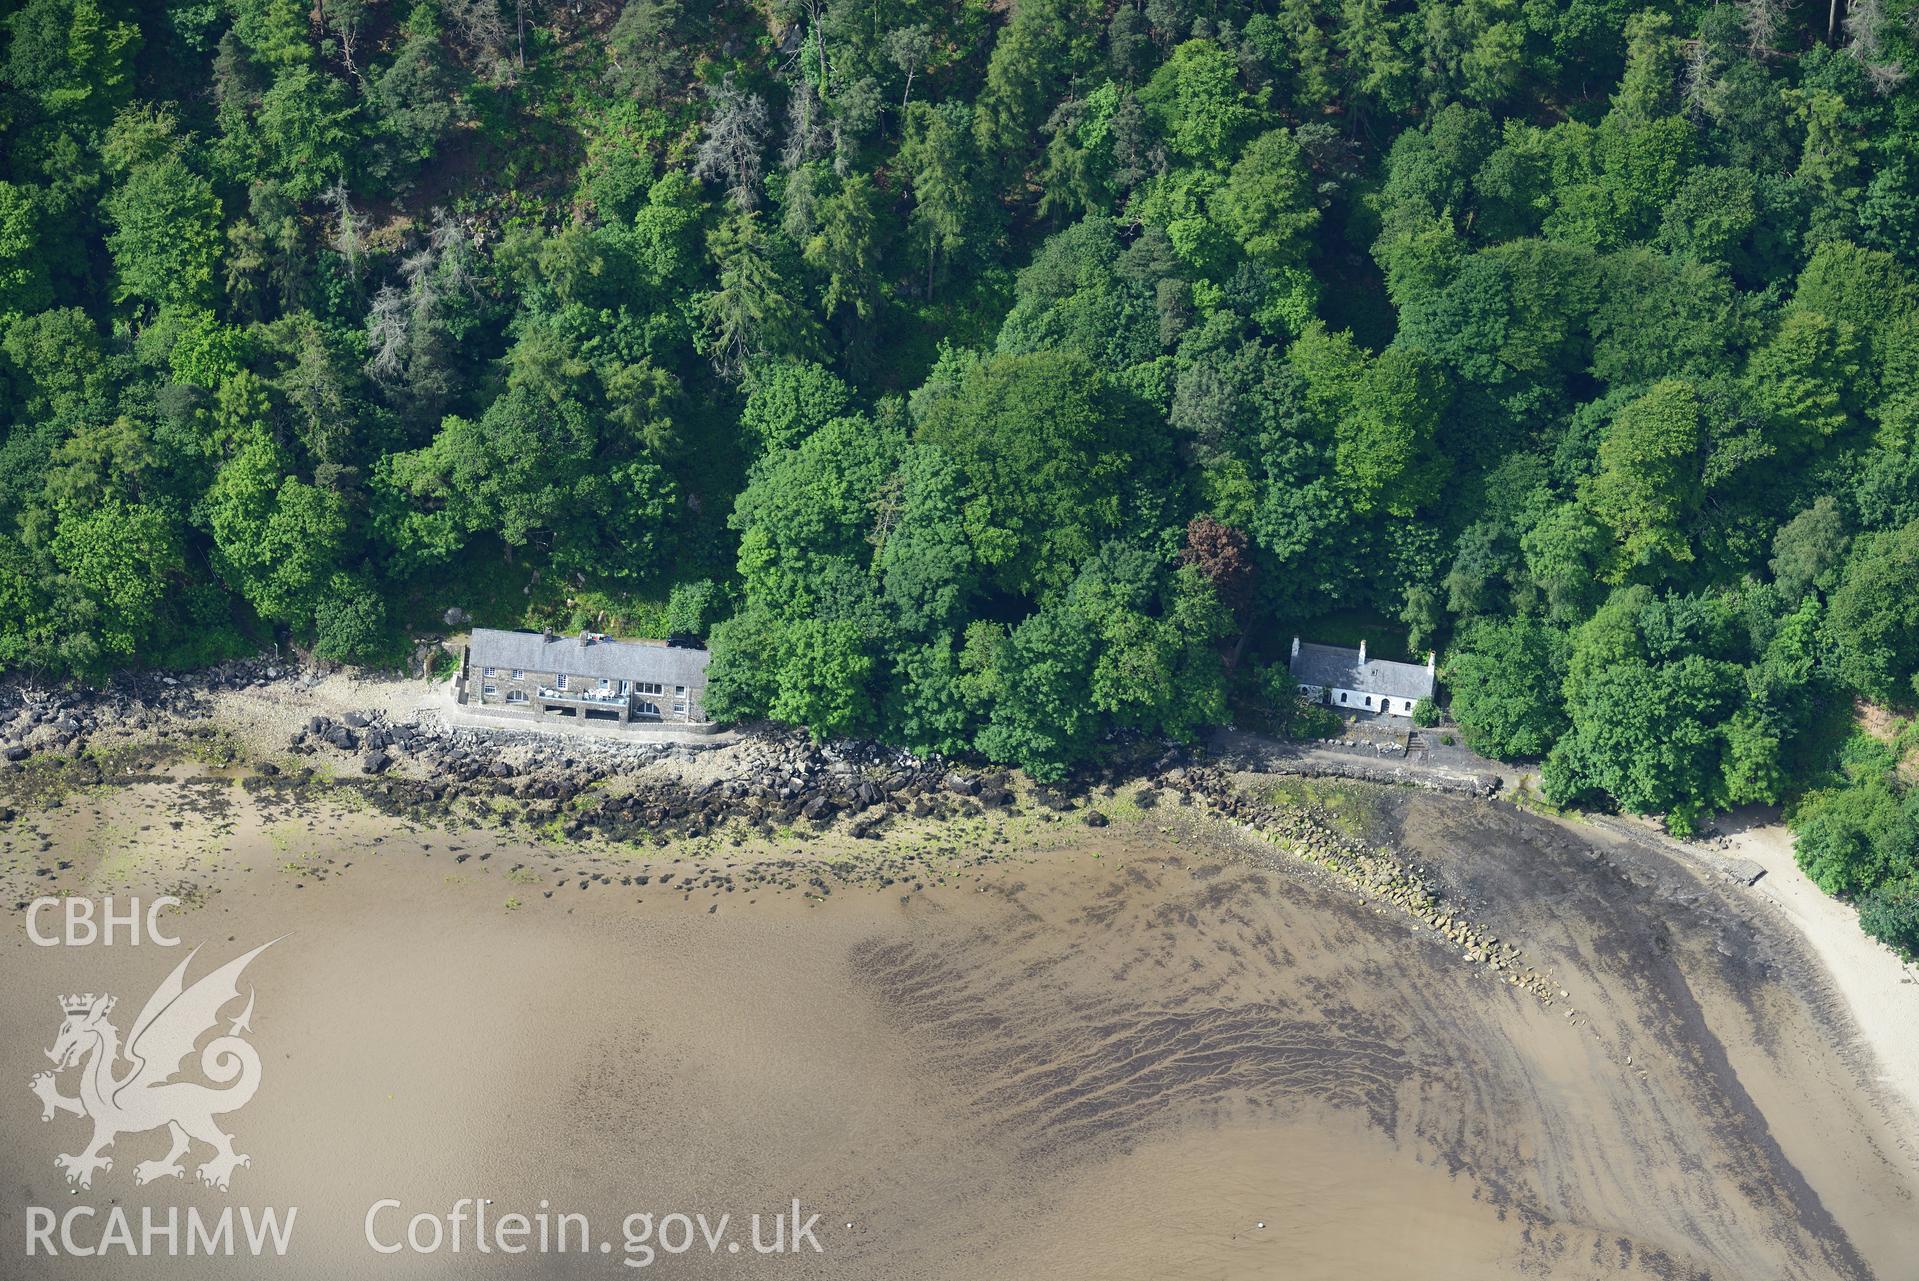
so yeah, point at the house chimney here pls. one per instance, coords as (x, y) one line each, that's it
(1432, 659)
(586, 638)
(546, 635)
(1362, 651)
(1295, 649)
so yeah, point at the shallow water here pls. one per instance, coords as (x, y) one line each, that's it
(1182, 1058)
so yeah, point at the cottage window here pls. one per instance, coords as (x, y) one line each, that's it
(559, 680)
(489, 690)
(1342, 695)
(516, 696)
(519, 673)
(679, 691)
(649, 687)
(486, 671)
(605, 683)
(1369, 700)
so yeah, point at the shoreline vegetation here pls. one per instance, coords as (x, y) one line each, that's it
(775, 810)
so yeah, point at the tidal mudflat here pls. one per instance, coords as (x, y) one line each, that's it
(1153, 1049)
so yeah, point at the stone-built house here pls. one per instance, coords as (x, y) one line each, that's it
(1346, 678)
(588, 677)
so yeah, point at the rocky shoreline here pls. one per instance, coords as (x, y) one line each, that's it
(760, 783)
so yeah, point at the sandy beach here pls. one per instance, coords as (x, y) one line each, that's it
(1881, 991)
(1152, 1049)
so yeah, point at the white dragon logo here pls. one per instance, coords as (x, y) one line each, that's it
(145, 1097)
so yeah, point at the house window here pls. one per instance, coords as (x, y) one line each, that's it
(1369, 700)
(486, 671)
(679, 691)
(1342, 695)
(516, 696)
(519, 673)
(605, 683)
(559, 680)
(649, 687)
(489, 690)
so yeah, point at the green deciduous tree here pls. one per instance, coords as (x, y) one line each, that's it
(1647, 486)
(1196, 102)
(1385, 453)
(122, 559)
(1890, 913)
(1808, 549)
(1052, 458)
(1504, 676)
(1874, 619)
(1266, 202)
(277, 539)
(1853, 839)
(166, 239)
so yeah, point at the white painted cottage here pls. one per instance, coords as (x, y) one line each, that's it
(1346, 678)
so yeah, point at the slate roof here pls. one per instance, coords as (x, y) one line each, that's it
(1335, 667)
(614, 659)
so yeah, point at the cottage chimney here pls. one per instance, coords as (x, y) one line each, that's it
(1432, 659)
(586, 638)
(1295, 649)
(546, 635)
(1362, 651)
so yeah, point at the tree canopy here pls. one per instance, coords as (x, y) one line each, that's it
(999, 379)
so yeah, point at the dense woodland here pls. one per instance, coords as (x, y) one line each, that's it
(1001, 378)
